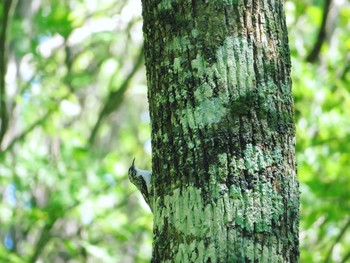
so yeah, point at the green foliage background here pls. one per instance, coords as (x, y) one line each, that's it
(76, 102)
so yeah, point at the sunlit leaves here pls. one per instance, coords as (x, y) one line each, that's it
(65, 58)
(322, 109)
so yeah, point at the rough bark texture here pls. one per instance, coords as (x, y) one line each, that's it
(223, 136)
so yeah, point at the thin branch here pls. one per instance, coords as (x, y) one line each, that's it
(346, 68)
(321, 142)
(24, 133)
(346, 258)
(43, 240)
(115, 98)
(46, 234)
(31, 127)
(339, 237)
(313, 55)
(4, 26)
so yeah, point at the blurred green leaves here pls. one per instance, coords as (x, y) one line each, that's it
(65, 198)
(323, 134)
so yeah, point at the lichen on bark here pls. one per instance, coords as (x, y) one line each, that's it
(224, 177)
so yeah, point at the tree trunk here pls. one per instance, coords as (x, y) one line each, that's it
(224, 185)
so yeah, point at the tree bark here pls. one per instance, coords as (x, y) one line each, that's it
(224, 185)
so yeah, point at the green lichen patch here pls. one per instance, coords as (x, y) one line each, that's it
(253, 210)
(177, 64)
(204, 91)
(164, 5)
(194, 33)
(196, 252)
(255, 160)
(208, 112)
(178, 44)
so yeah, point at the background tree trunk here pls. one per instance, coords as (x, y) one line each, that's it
(223, 137)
